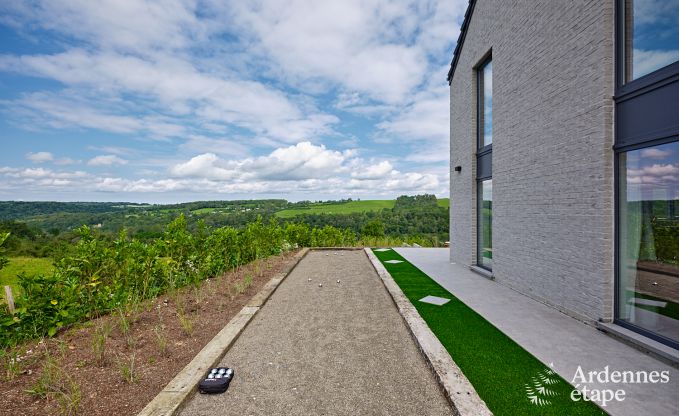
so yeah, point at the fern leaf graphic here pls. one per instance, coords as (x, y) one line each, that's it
(537, 392)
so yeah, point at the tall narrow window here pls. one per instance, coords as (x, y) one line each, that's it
(486, 104)
(485, 224)
(484, 159)
(648, 225)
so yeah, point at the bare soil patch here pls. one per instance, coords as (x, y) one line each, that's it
(116, 364)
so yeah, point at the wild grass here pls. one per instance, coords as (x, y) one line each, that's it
(99, 340)
(128, 368)
(161, 341)
(11, 362)
(55, 383)
(244, 284)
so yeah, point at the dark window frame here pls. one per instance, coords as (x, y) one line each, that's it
(484, 154)
(480, 148)
(479, 214)
(625, 92)
(651, 79)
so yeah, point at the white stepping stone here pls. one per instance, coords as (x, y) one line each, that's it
(394, 261)
(648, 302)
(434, 300)
(383, 249)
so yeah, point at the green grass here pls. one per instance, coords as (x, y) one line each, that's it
(207, 210)
(338, 208)
(443, 202)
(17, 265)
(497, 367)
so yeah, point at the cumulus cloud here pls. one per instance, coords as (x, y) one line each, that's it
(376, 171)
(655, 176)
(301, 161)
(106, 160)
(304, 166)
(654, 153)
(300, 169)
(40, 157)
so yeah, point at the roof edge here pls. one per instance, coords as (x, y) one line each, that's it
(460, 40)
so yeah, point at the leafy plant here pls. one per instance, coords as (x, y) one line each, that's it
(3, 260)
(100, 275)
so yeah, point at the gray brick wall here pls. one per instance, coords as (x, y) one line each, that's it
(552, 150)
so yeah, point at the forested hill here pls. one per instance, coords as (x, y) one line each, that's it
(10, 210)
(39, 228)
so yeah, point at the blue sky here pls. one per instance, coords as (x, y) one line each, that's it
(136, 101)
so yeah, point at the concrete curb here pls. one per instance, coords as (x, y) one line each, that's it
(457, 389)
(171, 399)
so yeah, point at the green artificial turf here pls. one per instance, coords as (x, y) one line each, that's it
(671, 310)
(498, 368)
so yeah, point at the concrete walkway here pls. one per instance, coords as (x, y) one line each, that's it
(554, 337)
(340, 349)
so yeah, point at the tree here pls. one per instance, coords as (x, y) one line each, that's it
(374, 228)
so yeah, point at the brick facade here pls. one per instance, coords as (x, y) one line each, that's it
(553, 82)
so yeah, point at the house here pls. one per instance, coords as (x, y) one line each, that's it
(565, 157)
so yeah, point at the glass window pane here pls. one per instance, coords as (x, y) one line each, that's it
(651, 36)
(649, 239)
(485, 224)
(486, 105)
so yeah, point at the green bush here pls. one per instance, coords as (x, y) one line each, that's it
(99, 275)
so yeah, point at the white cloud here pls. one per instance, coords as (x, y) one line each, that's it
(40, 157)
(137, 25)
(648, 61)
(303, 166)
(301, 161)
(363, 45)
(656, 175)
(376, 171)
(176, 86)
(106, 160)
(654, 153)
(423, 125)
(66, 161)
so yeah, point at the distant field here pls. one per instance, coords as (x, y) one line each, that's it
(17, 265)
(208, 210)
(444, 202)
(341, 208)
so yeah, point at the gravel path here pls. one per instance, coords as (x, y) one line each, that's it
(340, 349)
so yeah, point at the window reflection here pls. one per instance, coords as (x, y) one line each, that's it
(485, 224)
(485, 106)
(649, 239)
(651, 36)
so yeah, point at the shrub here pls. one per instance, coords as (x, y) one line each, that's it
(100, 275)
